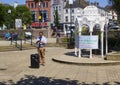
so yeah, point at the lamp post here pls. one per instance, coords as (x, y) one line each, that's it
(9, 12)
(39, 12)
(70, 3)
(69, 43)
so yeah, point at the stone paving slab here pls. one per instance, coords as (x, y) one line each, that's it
(3, 67)
(19, 73)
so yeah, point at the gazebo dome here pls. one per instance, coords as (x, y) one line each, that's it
(90, 11)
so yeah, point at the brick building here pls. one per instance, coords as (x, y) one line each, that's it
(40, 12)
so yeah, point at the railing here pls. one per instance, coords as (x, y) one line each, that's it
(18, 42)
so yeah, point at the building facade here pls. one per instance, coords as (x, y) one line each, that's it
(59, 6)
(40, 11)
(71, 12)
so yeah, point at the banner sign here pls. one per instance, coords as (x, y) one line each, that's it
(88, 42)
(18, 23)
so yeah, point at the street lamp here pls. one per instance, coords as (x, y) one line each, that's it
(70, 3)
(39, 13)
(69, 42)
(9, 12)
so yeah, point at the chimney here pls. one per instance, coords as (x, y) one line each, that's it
(96, 3)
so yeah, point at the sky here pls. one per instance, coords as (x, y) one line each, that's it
(102, 3)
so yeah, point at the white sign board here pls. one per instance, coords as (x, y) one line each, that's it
(18, 23)
(88, 42)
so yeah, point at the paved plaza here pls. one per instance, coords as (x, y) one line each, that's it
(17, 70)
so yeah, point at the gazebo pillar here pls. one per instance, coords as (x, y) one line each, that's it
(102, 37)
(102, 43)
(80, 30)
(91, 49)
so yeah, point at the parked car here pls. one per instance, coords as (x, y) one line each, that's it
(113, 25)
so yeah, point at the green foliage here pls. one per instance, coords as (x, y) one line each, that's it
(116, 6)
(9, 17)
(22, 12)
(56, 18)
(84, 30)
(64, 40)
(2, 12)
(12, 30)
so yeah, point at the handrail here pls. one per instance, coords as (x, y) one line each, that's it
(21, 41)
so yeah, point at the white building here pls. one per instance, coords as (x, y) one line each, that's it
(71, 12)
(57, 5)
(76, 10)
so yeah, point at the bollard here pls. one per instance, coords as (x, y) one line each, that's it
(20, 44)
(11, 38)
(16, 43)
(24, 38)
(31, 39)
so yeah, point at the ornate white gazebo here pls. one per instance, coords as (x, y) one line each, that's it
(90, 17)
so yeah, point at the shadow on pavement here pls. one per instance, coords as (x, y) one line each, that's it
(84, 54)
(33, 80)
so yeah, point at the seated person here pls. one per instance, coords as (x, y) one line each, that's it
(14, 36)
(28, 35)
(7, 36)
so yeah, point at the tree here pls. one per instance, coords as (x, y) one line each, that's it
(22, 12)
(9, 16)
(2, 13)
(56, 18)
(115, 6)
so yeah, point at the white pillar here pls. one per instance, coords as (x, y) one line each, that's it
(106, 40)
(79, 45)
(76, 42)
(90, 49)
(75, 51)
(102, 43)
(106, 32)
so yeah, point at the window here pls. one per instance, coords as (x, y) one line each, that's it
(46, 4)
(72, 10)
(32, 5)
(43, 4)
(34, 18)
(72, 18)
(28, 5)
(66, 10)
(59, 17)
(78, 9)
(66, 18)
(44, 14)
(56, 8)
(59, 8)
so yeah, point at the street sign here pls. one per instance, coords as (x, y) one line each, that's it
(88, 42)
(18, 23)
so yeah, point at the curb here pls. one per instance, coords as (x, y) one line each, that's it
(86, 64)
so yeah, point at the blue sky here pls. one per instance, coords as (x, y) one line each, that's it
(101, 2)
